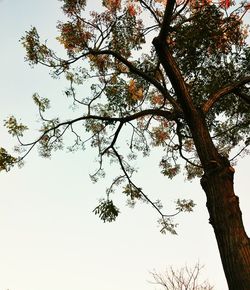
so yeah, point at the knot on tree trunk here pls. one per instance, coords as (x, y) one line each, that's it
(216, 169)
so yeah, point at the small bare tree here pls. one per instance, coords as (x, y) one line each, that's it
(184, 279)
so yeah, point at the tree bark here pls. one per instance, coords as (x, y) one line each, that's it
(217, 182)
(226, 219)
(223, 206)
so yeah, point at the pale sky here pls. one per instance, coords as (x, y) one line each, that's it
(49, 237)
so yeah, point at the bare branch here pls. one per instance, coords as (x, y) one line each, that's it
(68, 124)
(184, 278)
(114, 139)
(163, 216)
(144, 4)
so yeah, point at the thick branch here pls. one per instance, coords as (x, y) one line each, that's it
(196, 122)
(144, 4)
(167, 19)
(138, 72)
(156, 112)
(224, 91)
(243, 96)
(114, 139)
(168, 62)
(174, 74)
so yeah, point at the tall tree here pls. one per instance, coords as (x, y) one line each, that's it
(170, 73)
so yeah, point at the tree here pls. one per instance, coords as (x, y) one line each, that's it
(188, 93)
(186, 278)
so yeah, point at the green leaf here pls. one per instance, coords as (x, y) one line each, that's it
(6, 160)
(185, 205)
(42, 103)
(167, 225)
(14, 128)
(107, 211)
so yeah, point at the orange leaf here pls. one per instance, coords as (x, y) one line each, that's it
(131, 10)
(225, 3)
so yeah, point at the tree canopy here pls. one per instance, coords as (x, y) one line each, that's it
(111, 52)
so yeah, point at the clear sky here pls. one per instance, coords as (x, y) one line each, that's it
(49, 237)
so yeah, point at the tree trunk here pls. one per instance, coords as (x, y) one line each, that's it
(217, 181)
(223, 207)
(226, 219)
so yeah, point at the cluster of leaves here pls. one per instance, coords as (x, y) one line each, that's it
(210, 47)
(73, 7)
(168, 169)
(166, 222)
(132, 192)
(6, 160)
(14, 128)
(42, 103)
(206, 53)
(106, 210)
(36, 52)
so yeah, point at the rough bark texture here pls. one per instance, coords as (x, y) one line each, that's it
(217, 182)
(223, 207)
(226, 219)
